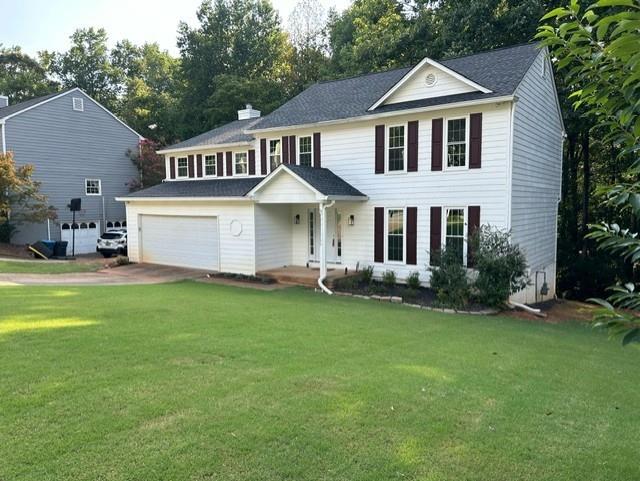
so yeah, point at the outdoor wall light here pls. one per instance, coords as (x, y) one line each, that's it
(352, 219)
(296, 219)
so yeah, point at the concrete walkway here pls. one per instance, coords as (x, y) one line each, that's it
(131, 274)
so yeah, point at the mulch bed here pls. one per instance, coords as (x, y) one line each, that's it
(242, 278)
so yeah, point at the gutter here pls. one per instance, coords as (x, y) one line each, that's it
(363, 118)
(186, 199)
(200, 148)
(4, 140)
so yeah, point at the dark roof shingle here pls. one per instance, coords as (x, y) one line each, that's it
(325, 181)
(230, 133)
(200, 188)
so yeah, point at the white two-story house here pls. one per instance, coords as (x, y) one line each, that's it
(381, 169)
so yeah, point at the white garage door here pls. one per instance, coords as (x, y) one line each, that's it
(86, 236)
(180, 241)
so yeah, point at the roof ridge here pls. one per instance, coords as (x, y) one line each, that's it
(489, 50)
(366, 74)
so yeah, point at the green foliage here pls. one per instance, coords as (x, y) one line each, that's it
(22, 77)
(449, 280)
(367, 274)
(7, 229)
(151, 168)
(413, 280)
(501, 266)
(389, 279)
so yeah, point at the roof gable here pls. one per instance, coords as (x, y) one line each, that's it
(428, 79)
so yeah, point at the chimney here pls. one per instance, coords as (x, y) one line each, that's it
(4, 102)
(248, 113)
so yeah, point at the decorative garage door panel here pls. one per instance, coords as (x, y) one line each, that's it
(87, 234)
(180, 241)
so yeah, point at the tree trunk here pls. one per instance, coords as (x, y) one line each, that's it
(586, 189)
(572, 191)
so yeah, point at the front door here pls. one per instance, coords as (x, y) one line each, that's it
(334, 235)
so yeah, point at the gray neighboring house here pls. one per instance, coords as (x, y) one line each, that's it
(78, 149)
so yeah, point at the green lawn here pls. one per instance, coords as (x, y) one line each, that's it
(192, 381)
(48, 267)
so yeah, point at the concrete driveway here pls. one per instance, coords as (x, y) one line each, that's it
(131, 274)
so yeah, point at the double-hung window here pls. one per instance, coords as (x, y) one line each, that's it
(183, 167)
(457, 142)
(396, 149)
(209, 165)
(454, 233)
(240, 164)
(275, 154)
(305, 150)
(395, 235)
(92, 187)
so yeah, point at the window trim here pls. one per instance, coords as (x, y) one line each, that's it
(404, 236)
(178, 176)
(312, 152)
(465, 222)
(445, 143)
(204, 166)
(275, 139)
(235, 172)
(80, 100)
(405, 126)
(99, 187)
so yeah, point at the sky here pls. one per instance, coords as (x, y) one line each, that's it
(47, 24)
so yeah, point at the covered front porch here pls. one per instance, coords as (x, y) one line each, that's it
(300, 218)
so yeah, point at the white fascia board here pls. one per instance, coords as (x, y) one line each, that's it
(435, 64)
(348, 198)
(395, 113)
(198, 148)
(183, 199)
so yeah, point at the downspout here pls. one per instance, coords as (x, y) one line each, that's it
(323, 241)
(4, 141)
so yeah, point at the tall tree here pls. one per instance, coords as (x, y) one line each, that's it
(22, 77)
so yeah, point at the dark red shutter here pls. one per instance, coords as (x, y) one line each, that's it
(219, 164)
(378, 235)
(379, 149)
(436, 144)
(435, 235)
(317, 158)
(172, 167)
(252, 162)
(263, 156)
(475, 136)
(229, 163)
(285, 149)
(199, 165)
(474, 225)
(191, 170)
(412, 235)
(292, 149)
(412, 152)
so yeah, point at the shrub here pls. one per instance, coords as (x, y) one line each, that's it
(367, 274)
(6, 231)
(122, 261)
(449, 280)
(389, 279)
(413, 280)
(501, 266)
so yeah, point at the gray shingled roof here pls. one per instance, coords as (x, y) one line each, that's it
(12, 109)
(230, 133)
(325, 181)
(200, 188)
(499, 70)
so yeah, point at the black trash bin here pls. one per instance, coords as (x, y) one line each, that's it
(60, 249)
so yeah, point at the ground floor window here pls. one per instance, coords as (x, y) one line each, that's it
(395, 235)
(454, 233)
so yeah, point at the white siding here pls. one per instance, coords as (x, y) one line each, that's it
(273, 236)
(237, 253)
(285, 189)
(415, 88)
(536, 177)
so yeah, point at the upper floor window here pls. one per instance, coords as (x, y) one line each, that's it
(457, 142)
(305, 150)
(275, 154)
(183, 167)
(395, 235)
(454, 233)
(92, 187)
(241, 163)
(395, 157)
(78, 104)
(209, 165)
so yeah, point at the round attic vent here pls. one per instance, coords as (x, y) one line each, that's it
(430, 79)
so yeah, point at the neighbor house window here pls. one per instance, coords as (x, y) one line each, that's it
(275, 157)
(454, 234)
(395, 159)
(457, 142)
(241, 163)
(78, 104)
(209, 165)
(183, 167)
(395, 235)
(92, 187)
(305, 150)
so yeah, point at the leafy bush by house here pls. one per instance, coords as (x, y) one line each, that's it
(501, 266)
(367, 274)
(413, 280)
(449, 280)
(389, 279)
